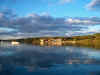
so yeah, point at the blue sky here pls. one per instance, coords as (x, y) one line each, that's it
(49, 17)
(56, 8)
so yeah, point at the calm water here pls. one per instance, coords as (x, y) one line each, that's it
(37, 60)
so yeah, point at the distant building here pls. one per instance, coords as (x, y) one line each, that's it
(15, 43)
(51, 42)
(41, 42)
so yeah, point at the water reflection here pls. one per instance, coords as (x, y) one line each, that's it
(28, 60)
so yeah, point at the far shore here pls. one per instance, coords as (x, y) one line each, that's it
(87, 41)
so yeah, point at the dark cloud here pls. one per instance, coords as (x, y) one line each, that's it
(6, 18)
(44, 25)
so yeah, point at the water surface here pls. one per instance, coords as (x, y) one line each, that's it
(45, 60)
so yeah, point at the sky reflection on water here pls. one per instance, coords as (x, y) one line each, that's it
(36, 60)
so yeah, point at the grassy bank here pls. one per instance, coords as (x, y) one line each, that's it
(87, 41)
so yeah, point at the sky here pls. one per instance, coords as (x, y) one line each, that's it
(35, 18)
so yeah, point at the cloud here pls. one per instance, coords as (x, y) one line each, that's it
(35, 25)
(65, 1)
(72, 21)
(2, 30)
(83, 21)
(1, 15)
(94, 5)
(57, 2)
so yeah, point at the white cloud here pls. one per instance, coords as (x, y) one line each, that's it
(94, 5)
(65, 1)
(77, 21)
(44, 14)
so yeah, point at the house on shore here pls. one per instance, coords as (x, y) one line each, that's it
(51, 41)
